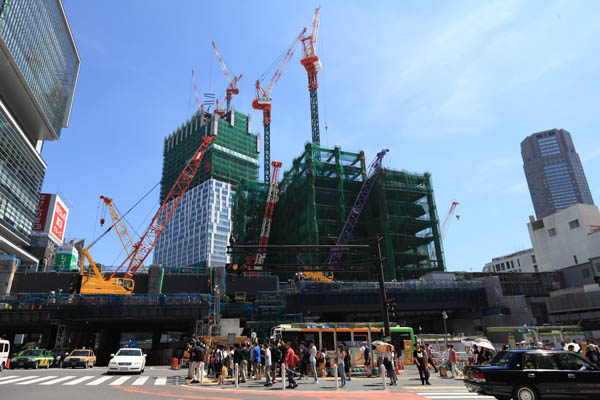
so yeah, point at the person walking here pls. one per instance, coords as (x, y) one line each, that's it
(452, 361)
(388, 363)
(268, 362)
(275, 356)
(196, 357)
(367, 356)
(347, 362)
(313, 360)
(190, 345)
(219, 360)
(291, 359)
(237, 359)
(243, 363)
(592, 354)
(339, 361)
(430, 359)
(256, 361)
(420, 357)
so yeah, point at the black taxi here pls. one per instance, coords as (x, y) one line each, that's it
(535, 375)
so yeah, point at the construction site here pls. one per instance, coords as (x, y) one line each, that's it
(211, 198)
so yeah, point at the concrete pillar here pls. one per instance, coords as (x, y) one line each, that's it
(8, 267)
(155, 276)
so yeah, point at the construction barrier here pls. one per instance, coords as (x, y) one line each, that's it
(174, 363)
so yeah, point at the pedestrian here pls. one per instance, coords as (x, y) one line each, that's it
(339, 361)
(367, 356)
(274, 359)
(347, 362)
(321, 355)
(430, 359)
(196, 357)
(243, 361)
(268, 362)
(291, 359)
(304, 357)
(592, 354)
(313, 360)
(237, 359)
(256, 361)
(420, 357)
(486, 356)
(219, 363)
(452, 361)
(388, 363)
(188, 352)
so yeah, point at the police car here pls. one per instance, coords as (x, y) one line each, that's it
(33, 358)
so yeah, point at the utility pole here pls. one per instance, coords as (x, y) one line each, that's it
(382, 294)
(445, 317)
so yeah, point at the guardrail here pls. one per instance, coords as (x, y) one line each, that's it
(45, 301)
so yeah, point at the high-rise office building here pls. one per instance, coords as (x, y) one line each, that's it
(198, 232)
(39, 65)
(554, 173)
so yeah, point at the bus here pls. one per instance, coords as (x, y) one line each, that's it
(328, 335)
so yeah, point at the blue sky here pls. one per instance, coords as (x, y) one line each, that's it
(449, 87)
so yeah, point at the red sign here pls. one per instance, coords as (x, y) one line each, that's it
(59, 221)
(42, 212)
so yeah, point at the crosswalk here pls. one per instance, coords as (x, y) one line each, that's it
(89, 380)
(454, 395)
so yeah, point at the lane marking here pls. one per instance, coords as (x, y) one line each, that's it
(18, 379)
(119, 381)
(54, 381)
(8, 377)
(99, 380)
(79, 380)
(140, 381)
(45, 378)
(160, 381)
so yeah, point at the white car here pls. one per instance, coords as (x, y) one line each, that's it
(127, 360)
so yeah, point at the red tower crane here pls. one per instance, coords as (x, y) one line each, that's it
(448, 218)
(232, 88)
(312, 64)
(200, 106)
(158, 224)
(263, 102)
(268, 218)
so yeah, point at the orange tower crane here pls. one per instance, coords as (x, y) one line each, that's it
(263, 102)
(312, 64)
(232, 87)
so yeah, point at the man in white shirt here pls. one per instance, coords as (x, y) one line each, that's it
(268, 363)
(313, 360)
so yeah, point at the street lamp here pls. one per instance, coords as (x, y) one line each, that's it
(445, 317)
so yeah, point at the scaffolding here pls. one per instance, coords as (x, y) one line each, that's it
(232, 156)
(317, 193)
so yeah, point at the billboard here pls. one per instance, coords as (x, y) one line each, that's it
(51, 217)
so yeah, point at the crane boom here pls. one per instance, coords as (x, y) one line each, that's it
(158, 224)
(196, 93)
(446, 223)
(263, 102)
(119, 226)
(359, 205)
(268, 218)
(232, 88)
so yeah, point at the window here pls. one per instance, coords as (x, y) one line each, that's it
(574, 224)
(519, 262)
(501, 359)
(539, 361)
(575, 259)
(585, 272)
(551, 232)
(533, 258)
(572, 362)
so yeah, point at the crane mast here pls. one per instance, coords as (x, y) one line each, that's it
(263, 102)
(312, 64)
(158, 224)
(232, 87)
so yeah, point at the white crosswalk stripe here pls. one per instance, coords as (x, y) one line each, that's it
(7, 377)
(55, 381)
(45, 378)
(119, 381)
(161, 381)
(79, 380)
(140, 381)
(99, 380)
(23, 378)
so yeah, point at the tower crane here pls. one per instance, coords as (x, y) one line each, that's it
(446, 223)
(200, 106)
(95, 282)
(312, 64)
(232, 87)
(119, 226)
(263, 102)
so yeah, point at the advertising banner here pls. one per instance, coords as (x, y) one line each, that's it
(42, 213)
(51, 217)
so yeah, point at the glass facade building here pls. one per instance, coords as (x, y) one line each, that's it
(40, 42)
(39, 65)
(554, 172)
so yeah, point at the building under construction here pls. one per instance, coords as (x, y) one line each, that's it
(200, 227)
(315, 197)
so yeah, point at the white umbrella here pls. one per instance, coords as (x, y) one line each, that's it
(575, 345)
(485, 345)
(377, 343)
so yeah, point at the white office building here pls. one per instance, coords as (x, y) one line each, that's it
(521, 261)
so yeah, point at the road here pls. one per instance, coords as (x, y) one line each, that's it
(163, 383)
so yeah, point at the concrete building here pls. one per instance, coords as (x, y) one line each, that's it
(554, 172)
(39, 65)
(198, 233)
(566, 238)
(521, 261)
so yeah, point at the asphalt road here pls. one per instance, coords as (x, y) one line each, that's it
(163, 383)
